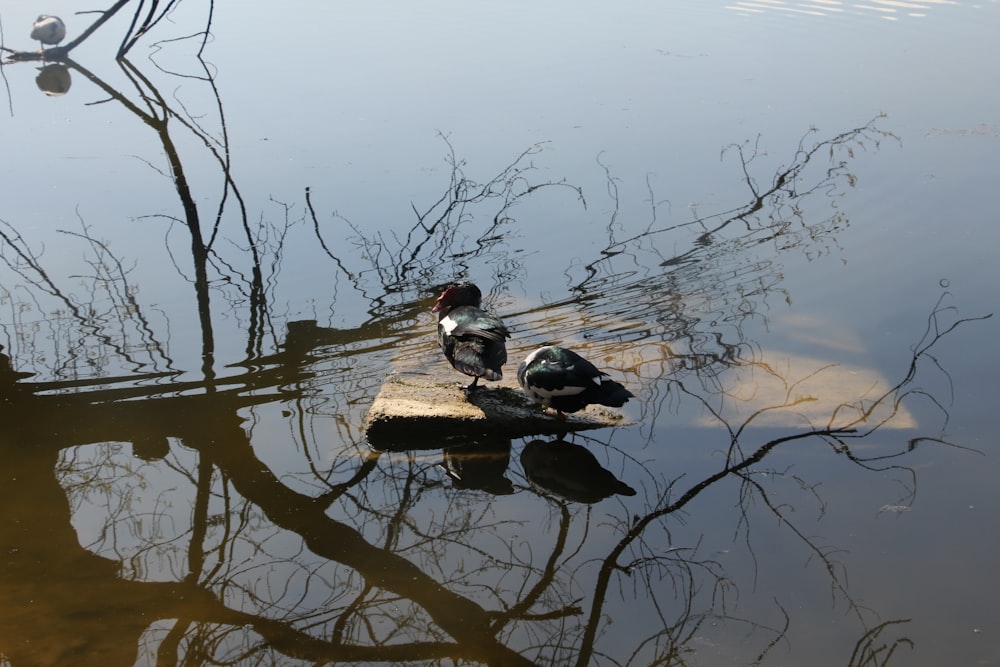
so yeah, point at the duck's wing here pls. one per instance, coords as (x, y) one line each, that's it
(467, 321)
(561, 377)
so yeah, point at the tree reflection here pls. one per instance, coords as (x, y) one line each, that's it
(144, 19)
(110, 307)
(443, 241)
(201, 544)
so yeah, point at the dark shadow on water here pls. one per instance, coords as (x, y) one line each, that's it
(570, 471)
(480, 464)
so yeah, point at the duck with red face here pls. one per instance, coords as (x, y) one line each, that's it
(473, 340)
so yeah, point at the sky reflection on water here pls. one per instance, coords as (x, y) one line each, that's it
(773, 226)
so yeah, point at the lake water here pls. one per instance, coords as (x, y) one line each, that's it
(771, 220)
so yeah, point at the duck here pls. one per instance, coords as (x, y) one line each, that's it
(48, 30)
(473, 340)
(561, 379)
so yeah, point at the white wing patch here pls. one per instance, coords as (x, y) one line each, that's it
(448, 324)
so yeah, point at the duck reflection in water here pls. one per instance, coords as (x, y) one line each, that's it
(480, 464)
(570, 471)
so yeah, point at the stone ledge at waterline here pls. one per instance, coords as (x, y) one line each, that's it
(428, 409)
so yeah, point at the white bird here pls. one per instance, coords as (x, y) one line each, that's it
(48, 30)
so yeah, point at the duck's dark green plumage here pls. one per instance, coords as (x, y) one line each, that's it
(566, 382)
(473, 340)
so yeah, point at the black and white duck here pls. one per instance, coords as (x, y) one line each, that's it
(473, 340)
(564, 381)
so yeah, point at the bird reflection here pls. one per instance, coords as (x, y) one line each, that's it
(54, 80)
(570, 471)
(480, 465)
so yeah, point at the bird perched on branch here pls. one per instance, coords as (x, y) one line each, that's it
(473, 341)
(48, 30)
(566, 382)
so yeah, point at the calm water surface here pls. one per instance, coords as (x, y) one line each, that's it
(773, 221)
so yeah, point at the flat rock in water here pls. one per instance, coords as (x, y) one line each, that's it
(430, 410)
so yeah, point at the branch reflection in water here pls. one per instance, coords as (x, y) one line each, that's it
(143, 513)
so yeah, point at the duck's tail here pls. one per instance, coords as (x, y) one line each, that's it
(612, 394)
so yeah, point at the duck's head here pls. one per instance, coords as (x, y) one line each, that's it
(462, 293)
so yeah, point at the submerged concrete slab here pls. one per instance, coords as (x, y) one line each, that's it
(429, 409)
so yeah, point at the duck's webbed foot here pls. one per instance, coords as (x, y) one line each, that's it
(554, 412)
